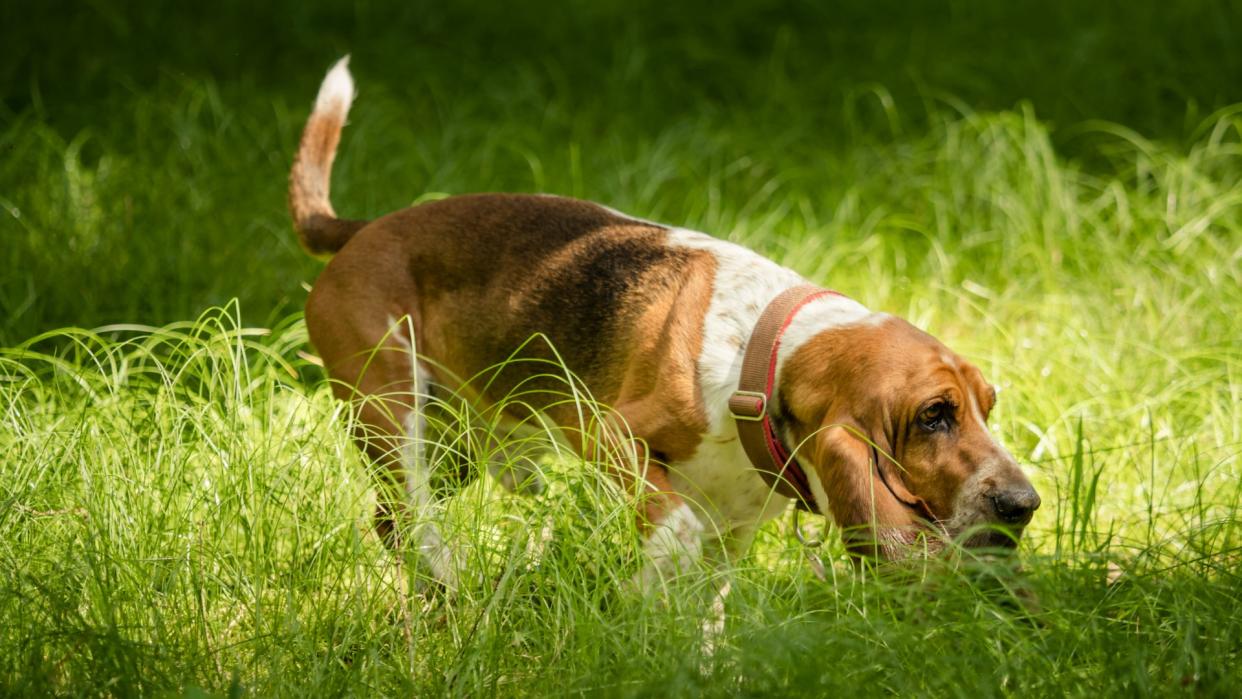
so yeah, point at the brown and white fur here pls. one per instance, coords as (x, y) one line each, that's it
(653, 320)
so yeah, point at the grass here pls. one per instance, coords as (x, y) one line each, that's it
(1053, 191)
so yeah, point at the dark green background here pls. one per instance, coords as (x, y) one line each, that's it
(145, 145)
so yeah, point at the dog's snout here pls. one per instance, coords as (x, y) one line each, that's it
(1016, 506)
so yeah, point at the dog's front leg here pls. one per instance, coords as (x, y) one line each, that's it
(672, 532)
(673, 539)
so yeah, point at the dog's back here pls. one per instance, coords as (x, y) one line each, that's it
(507, 267)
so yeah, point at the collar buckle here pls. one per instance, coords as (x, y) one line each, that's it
(751, 406)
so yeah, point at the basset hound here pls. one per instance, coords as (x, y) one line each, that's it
(737, 387)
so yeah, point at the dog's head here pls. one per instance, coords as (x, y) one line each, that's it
(893, 423)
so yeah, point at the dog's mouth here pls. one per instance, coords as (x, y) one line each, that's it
(994, 537)
(932, 536)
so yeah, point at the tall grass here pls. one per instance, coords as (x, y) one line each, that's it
(182, 512)
(182, 506)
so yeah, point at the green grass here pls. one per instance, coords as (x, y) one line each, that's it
(1056, 192)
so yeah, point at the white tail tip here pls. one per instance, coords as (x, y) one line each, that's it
(337, 91)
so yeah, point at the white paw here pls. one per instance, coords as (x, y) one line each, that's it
(673, 547)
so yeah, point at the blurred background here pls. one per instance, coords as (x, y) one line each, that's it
(144, 146)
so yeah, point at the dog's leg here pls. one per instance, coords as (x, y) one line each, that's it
(388, 391)
(673, 541)
(673, 544)
(672, 533)
(422, 509)
(407, 510)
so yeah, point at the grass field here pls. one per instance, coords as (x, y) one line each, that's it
(1055, 190)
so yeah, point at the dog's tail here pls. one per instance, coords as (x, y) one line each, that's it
(319, 230)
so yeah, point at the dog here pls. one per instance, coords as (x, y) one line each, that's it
(738, 386)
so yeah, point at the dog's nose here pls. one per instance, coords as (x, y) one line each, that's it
(1016, 506)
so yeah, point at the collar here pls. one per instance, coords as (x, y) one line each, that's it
(749, 403)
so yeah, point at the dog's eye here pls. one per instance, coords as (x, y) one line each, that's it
(936, 416)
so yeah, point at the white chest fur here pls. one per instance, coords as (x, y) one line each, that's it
(723, 488)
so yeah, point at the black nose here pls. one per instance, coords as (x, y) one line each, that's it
(1016, 506)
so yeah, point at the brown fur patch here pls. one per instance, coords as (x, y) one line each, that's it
(479, 275)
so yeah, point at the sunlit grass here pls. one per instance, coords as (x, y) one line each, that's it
(181, 510)
(181, 506)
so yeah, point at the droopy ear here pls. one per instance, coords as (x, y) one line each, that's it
(871, 519)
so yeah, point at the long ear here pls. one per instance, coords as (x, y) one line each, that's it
(871, 519)
(894, 479)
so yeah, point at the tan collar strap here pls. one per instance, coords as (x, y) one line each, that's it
(749, 403)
